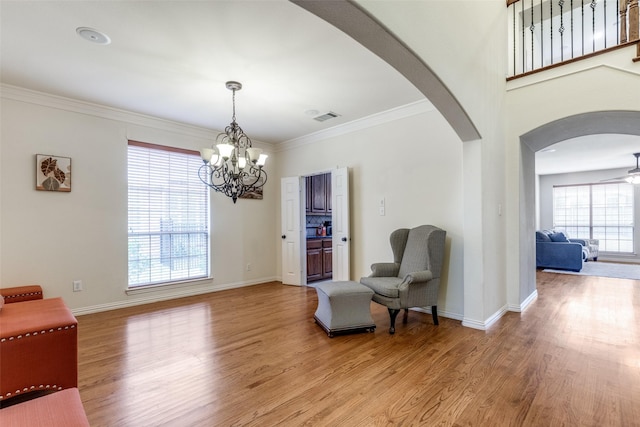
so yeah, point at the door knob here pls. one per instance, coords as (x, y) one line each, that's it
(284, 236)
(344, 239)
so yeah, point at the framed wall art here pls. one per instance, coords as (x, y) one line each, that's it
(53, 173)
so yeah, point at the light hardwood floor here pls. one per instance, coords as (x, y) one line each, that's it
(254, 356)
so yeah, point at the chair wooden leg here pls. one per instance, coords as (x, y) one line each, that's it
(434, 313)
(405, 318)
(392, 317)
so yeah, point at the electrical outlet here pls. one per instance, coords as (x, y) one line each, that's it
(248, 267)
(77, 285)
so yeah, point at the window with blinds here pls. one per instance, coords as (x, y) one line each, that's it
(596, 211)
(168, 215)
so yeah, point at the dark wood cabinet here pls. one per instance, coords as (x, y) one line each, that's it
(327, 259)
(327, 186)
(314, 260)
(309, 193)
(319, 259)
(318, 194)
(318, 204)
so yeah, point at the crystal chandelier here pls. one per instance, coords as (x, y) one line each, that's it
(233, 167)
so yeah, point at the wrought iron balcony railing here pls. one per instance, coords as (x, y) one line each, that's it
(547, 32)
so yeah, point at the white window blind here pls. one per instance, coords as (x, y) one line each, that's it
(596, 211)
(168, 215)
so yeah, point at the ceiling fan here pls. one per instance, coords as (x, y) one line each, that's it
(633, 176)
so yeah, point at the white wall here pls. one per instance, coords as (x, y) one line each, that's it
(546, 183)
(464, 42)
(54, 238)
(415, 163)
(603, 83)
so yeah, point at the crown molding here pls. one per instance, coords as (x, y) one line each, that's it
(21, 94)
(418, 107)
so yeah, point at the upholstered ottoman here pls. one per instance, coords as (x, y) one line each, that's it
(344, 307)
(38, 347)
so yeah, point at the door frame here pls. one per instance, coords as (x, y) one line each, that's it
(303, 222)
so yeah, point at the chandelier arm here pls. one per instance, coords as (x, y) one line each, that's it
(249, 186)
(203, 171)
(260, 179)
(222, 180)
(263, 173)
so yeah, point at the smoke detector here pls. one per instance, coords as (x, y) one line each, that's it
(92, 35)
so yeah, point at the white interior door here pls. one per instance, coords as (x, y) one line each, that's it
(340, 222)
(291, 259)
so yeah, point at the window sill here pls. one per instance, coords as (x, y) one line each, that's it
(618, 254)
(144, 289)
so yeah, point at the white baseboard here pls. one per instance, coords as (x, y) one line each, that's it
(486, 324)
(524, 304)
(180, 293)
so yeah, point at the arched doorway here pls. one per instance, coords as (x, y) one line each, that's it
(592, 123)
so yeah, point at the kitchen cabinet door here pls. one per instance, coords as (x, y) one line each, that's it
(308, 194)
(319, 194)
(314, 260)
(327, 262)
(327, 186)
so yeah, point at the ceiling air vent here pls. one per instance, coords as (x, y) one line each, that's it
(326, 116)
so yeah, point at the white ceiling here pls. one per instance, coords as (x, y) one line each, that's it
(171, 59)
(586, 153)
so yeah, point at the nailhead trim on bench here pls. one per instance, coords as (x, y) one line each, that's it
(30, 334)
(28, 294)
(32, 388)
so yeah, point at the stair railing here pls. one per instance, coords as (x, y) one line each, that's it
(544, 33)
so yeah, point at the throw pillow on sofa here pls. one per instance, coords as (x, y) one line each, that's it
(542, 237)
(558, 237)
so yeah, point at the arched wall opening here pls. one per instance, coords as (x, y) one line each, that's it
(592, 123)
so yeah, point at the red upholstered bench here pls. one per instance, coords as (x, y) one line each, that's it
(21, 293)
(59, 409)
(38, 347)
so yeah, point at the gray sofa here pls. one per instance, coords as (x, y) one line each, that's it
(555, 250)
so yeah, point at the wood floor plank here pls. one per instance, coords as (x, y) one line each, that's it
(254, 357)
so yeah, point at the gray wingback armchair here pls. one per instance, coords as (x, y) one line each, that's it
(413, 278)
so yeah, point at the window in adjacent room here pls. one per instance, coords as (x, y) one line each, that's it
(596, 211)
(168, 216)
